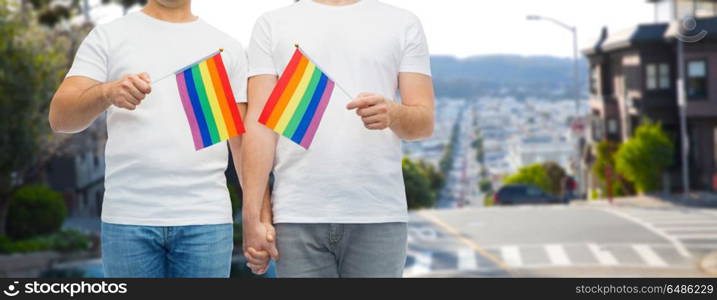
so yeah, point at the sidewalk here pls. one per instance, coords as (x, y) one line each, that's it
(698, 199)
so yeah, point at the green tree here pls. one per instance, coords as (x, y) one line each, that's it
(556, 175)
(35, 210)
(446, 162)
(605, 159)
(605, 151)
(32, 64)
(533, 174)
(435, 177)
(126, 4)
(485, 186)
(643, 158)
(418, 186)
(53, 12)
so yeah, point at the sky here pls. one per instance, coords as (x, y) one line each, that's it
(461, 27)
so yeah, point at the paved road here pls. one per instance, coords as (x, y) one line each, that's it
(461, 188)
(560, 241)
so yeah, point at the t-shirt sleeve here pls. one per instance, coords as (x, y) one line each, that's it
(238, 73)
(416, 58)
(91, 58)
(260, 58)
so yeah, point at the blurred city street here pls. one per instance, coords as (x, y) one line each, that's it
(578, 240)
(639, 236)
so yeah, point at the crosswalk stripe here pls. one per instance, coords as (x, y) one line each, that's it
(422, 262)
(679, 218)
(706, 236)
(692, 227)
(649, 256)
(467, 259)
(557, 255)
(511, 256)
(684, 222)
(604, 257)
(681, 249)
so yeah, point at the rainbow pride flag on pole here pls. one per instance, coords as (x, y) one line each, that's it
(298, 101)
(209, 102)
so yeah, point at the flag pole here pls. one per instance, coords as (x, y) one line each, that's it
(324, 70)
(188, 66)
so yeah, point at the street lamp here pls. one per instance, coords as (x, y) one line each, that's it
(576, 73)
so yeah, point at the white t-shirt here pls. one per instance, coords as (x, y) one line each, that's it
(349, 174)
(153, 174)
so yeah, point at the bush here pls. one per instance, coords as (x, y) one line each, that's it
(485, 185)
(436, 178)
(418, 186)
(534, 174)
(8, 246)
(643, 158)
(556, 174)
(594, 194)
(69, 241)
(488, 199)
(35, 210)
(606, 159)
(63, 241)
(5, 244)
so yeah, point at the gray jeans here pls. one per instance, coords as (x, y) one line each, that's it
(341, 250)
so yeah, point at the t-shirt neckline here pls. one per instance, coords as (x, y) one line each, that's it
(313, 3)
(154, 20)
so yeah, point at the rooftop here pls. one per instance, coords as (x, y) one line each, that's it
(647, 34)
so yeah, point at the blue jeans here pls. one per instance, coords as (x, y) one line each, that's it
(173, 251)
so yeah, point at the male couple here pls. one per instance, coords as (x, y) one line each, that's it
(337, 209)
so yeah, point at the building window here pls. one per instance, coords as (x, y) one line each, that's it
(651, 76)
(594, 76)
(658, 76)
(664, 76)
(612, 126)
(697, 79)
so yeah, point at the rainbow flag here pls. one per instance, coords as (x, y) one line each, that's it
(209, 102)
(298, 101)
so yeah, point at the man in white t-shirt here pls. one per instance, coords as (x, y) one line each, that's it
(166, 209)
(339, 208)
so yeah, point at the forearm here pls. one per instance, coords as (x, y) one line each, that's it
(266, 213)
(73, 109)
(412, 122)
(257, 161)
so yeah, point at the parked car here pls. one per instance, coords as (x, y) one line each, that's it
(512, 194)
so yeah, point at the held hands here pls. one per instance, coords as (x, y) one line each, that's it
(375, 110)
(129, 91)
(259, 246)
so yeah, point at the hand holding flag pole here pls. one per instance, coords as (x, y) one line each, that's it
(341, 88)
(297, 104)
(373, 109)
(188, 66)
